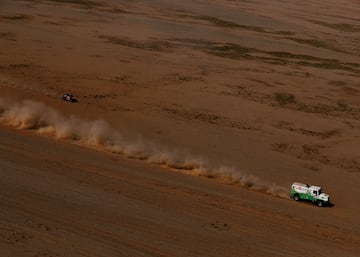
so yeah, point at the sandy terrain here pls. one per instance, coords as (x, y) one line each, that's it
(194, 117)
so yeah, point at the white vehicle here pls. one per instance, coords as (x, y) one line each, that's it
(300, 191)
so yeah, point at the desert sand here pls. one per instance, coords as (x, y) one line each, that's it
(193, 119)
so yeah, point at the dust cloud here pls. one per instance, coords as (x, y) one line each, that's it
(32, 115)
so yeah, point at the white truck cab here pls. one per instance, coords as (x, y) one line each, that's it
(300, 191)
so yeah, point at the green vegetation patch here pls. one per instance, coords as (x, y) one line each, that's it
(118, 10)
(6, 35)
(156, 45)
(199, 44)
(311, 42)
(232, 25)
(343, 107)
(287, 100)
(284, 98)
(15, 17)
(86, 3)
(236, 51)
(345, 27)
(288, 55)
(233, 51)
(229, 24)
(332, 64)
(284, 33)
(219, 22)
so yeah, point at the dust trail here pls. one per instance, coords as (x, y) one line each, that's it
(98, 134)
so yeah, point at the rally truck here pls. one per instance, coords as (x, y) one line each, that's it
(306, 192)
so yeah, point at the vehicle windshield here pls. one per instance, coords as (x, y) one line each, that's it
(320, 192)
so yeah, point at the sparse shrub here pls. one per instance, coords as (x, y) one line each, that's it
(86, 3)
(15, 17)
(285, 98)
(337, 83)
(310, 149)
(343, 107)
(143, 45)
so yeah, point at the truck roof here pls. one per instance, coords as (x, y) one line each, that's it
(300, 184)
(306, 185)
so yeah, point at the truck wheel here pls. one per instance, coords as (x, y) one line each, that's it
(296, 197)
(320, 203)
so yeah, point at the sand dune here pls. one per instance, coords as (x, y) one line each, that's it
(246, 96)
(97, 134)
